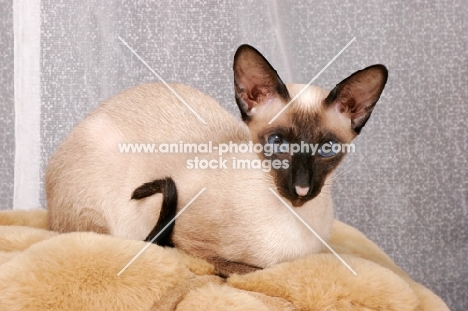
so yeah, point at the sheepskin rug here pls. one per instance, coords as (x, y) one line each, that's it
(44, 270)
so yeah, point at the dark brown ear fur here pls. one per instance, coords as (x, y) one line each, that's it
(357, 95)
(255, 80)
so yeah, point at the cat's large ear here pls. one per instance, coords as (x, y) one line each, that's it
(357, 95)
(255, 81)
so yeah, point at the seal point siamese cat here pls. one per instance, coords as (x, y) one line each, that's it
(237, 223)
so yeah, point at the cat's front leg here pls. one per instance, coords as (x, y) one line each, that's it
(224, 268)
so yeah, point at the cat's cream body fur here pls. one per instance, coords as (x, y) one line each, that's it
(89, 182)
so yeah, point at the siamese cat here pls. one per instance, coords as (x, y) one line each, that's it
(236, 223)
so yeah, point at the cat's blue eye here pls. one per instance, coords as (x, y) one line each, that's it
(279, 143)
(328, 149)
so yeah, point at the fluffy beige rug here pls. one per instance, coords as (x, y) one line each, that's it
(43, 270)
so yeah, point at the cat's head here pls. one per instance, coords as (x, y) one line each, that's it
(324, 121)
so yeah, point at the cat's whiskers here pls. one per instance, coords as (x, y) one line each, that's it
(338, 175)
(327, 193)
(324, 134)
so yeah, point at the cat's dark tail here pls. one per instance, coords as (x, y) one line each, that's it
(168, 188)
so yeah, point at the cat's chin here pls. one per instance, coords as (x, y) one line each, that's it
(298, 202)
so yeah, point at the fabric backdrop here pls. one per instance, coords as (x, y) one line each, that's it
(406, 187)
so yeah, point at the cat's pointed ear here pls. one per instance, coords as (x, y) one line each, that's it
(255, 81)
(357, 95)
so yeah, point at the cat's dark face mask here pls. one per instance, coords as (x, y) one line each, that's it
(313, 117)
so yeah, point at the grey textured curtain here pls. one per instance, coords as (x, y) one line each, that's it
(406, 187)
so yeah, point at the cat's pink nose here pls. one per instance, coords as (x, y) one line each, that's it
(302, 191)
